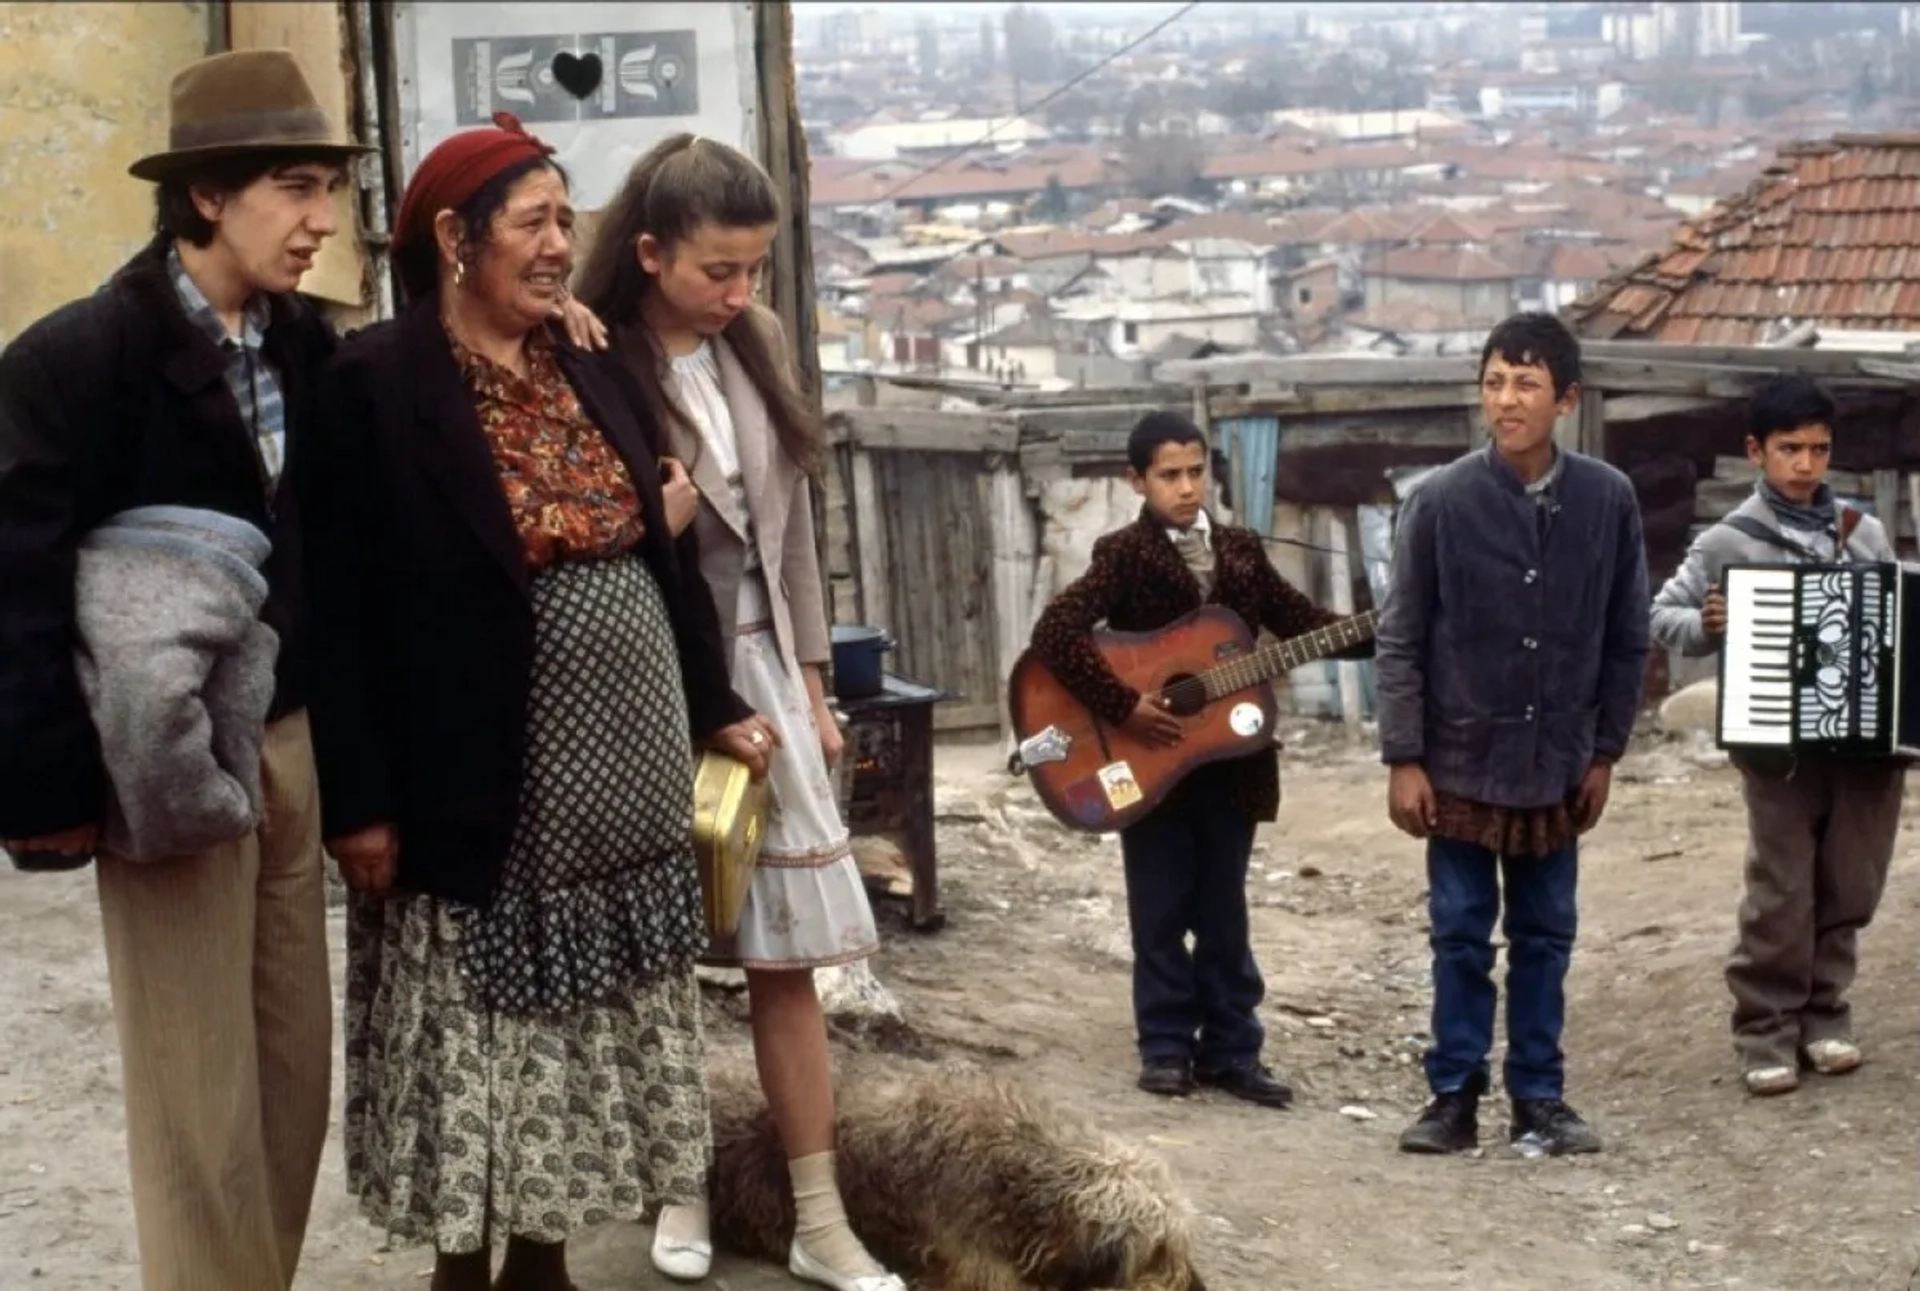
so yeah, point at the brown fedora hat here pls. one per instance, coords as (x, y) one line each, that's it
(249, 100)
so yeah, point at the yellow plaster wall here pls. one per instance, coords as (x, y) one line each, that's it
(316, 32)
(83, 92)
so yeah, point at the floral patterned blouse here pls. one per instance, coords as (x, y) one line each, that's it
(570, 495)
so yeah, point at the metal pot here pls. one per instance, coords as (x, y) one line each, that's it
(857, 668)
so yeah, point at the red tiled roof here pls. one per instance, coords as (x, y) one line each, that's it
(1448, 229)
(1439, 264)
(1235, 225)
(1286, 159)
(1418, 316)
(918, 314)
(1589, 263)
(1046, 246)
(966, 268)
(1085, 168)
(893, 284)
(1364, 224)
(1829, 235)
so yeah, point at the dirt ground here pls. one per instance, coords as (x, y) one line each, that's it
(1700, 1186)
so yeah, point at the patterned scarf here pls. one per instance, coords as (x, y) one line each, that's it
(1818, 516)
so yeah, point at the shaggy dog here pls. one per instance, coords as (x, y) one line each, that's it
(963, 1183)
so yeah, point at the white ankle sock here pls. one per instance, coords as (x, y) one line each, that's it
(683, 1223)
(821, 1226)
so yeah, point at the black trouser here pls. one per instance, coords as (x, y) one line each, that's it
(1186, 867)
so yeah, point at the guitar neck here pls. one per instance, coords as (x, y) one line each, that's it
(1281, 657)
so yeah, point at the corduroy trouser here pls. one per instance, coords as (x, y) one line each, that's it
(222, 999)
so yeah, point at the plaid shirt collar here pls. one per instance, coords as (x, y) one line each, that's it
(254, 319)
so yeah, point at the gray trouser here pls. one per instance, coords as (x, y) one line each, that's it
(1818, 844)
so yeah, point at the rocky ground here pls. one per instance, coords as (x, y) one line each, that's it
(1701, 1187)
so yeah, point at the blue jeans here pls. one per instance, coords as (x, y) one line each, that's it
(1463, 898)
(1186, 867)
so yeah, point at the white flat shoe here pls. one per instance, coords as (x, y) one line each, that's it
(1766, 1081)
(680, 1259)
(808, 1269)
(1833, 1057)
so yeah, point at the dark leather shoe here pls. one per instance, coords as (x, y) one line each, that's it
(1450, 1123)
(1548, 1127)
(1255, 1084)
(1167, 1077)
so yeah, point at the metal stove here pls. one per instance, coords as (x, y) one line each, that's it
(886, 786)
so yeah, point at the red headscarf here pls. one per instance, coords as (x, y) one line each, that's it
(456, 169)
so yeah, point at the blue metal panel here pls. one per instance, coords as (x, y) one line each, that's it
(1252, 449)
(1252, 446)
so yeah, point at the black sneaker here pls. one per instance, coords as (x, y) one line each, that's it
(1167, 1077)
(1548, 1127)
(1450, 1123)
(1255, 1084)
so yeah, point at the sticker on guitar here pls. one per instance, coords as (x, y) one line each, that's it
(1050, 745)
(1121, 788)
(1246, 719)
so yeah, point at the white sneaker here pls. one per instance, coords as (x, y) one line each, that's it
(808, 1269)
(1766, 1081)
(680, 1258)
(1833, 1057)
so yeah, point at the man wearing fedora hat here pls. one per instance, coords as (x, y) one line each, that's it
(188, 380)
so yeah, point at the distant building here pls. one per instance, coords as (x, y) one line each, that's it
(1697, 28)
(1633, 30)
(888, 140)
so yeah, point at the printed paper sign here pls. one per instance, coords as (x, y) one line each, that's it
(607, 76)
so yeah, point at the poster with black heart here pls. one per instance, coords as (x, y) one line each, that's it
(543, 79)
(600, 81)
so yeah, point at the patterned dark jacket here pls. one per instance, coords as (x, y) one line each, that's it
(1138, 582)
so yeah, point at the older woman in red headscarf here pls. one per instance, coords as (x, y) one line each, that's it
(517, 660)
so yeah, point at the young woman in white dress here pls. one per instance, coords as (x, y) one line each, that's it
(672, 274)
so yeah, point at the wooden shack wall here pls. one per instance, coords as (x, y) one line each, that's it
(912, 533)
(931, 562)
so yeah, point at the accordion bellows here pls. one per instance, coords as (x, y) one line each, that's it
(729, 825)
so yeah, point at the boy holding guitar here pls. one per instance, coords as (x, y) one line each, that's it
(1186, 860)
(1511, 649)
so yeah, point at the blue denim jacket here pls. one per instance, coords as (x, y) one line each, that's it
(1507, 664)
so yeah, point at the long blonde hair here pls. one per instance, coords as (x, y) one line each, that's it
(686, 182)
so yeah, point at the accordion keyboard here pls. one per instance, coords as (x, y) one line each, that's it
(1756, 700)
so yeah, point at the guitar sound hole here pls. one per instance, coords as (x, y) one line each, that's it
(1185, 694)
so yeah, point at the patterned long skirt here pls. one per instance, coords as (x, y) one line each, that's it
(538, 1067)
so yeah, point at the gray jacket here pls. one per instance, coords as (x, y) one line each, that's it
(177, 670)
(1505, 665)
(1676, 610)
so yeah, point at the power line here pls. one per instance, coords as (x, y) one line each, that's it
(1105, 61)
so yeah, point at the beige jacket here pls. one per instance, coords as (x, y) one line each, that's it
(781, 503)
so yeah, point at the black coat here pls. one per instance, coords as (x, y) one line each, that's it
(423, 621)
(113, 401)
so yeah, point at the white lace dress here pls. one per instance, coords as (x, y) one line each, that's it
(807, 906)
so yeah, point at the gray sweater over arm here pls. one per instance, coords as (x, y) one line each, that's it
(178, 673)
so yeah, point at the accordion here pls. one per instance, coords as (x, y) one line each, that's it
(1820, 659)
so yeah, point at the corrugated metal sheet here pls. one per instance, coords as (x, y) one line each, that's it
(1252, 447)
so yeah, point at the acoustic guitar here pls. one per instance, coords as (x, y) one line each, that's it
(1210, 672)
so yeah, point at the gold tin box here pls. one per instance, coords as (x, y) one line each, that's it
(729, 823)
